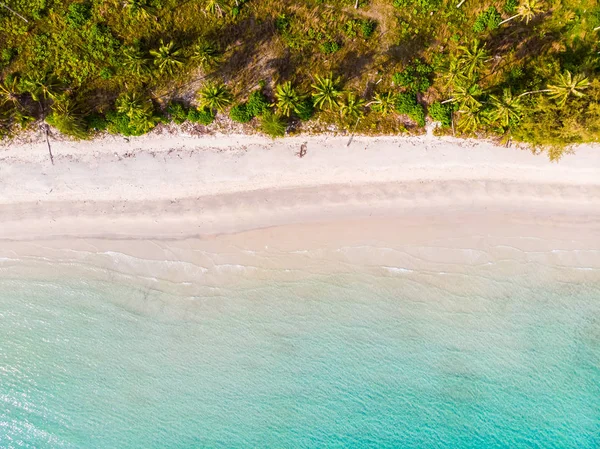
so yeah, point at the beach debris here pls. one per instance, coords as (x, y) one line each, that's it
(302, 151)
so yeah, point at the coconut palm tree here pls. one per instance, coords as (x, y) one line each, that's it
(9, 91)
(207, 54)
(41, 87)
(567, 85)
(472, 58)
(140, 9)
(353, 107)
(451, 72)
(505, 109)
(167, 57)
(527, 10)
(215, 96)
(384, 103)
(215, 7)
(326, 90)
(67, 118)
(135, 60)
(471, 118)
(465, 94)
(288, 99)
(133, 105)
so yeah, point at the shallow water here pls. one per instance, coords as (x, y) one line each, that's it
(342, 360)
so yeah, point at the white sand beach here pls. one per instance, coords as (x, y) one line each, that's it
(182, 208)
(178, 186)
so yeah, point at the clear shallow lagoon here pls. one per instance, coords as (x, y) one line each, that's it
(328, 361)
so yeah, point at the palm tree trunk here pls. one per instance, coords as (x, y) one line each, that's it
(450, 100)
(533, 92)
(509, 19)
(14, 12)
(460, 4)
(356, 4)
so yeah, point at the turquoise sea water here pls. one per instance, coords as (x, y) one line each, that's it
(344, 360)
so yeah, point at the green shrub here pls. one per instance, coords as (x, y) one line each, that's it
(488, 19)
(78, 14)
(273, 125)
(120, 123)
(204, 116)
(421, 6)
(257, 104)
(441, 113)
(239, 113)
(177, 112)
(96, 122)
(367, 27)
(329, 47)
(415, 77)
(406, 103)
(7, 55)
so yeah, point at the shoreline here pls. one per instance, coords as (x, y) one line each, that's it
(201, 213)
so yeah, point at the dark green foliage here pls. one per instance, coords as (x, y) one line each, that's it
(306, 109)
(203, 116)
(415, 77)
(79, 14)
(441, 113)
(487, 20)
(329, 47)
(510, 6)
(239, 113)
(6, 56)
(273, 125)
(257, 104)
(367, 27)
(406, 103)
(177, 112)
(96, 122)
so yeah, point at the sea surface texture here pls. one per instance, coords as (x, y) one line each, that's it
(382, 358)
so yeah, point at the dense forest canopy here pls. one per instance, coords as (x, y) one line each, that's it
(527, 70)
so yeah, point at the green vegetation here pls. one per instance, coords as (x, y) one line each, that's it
(526, 70)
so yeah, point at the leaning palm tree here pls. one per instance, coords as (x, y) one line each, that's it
(326, 90)
(167, 58)
(207, 54)
(215, 96)
(384, 103)
(505, 109)
(567, 85)
(135, 60)
(353, 107)
(527, 10)
(472, 58)
(288, 99)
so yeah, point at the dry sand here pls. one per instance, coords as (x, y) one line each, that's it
(175, 187)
